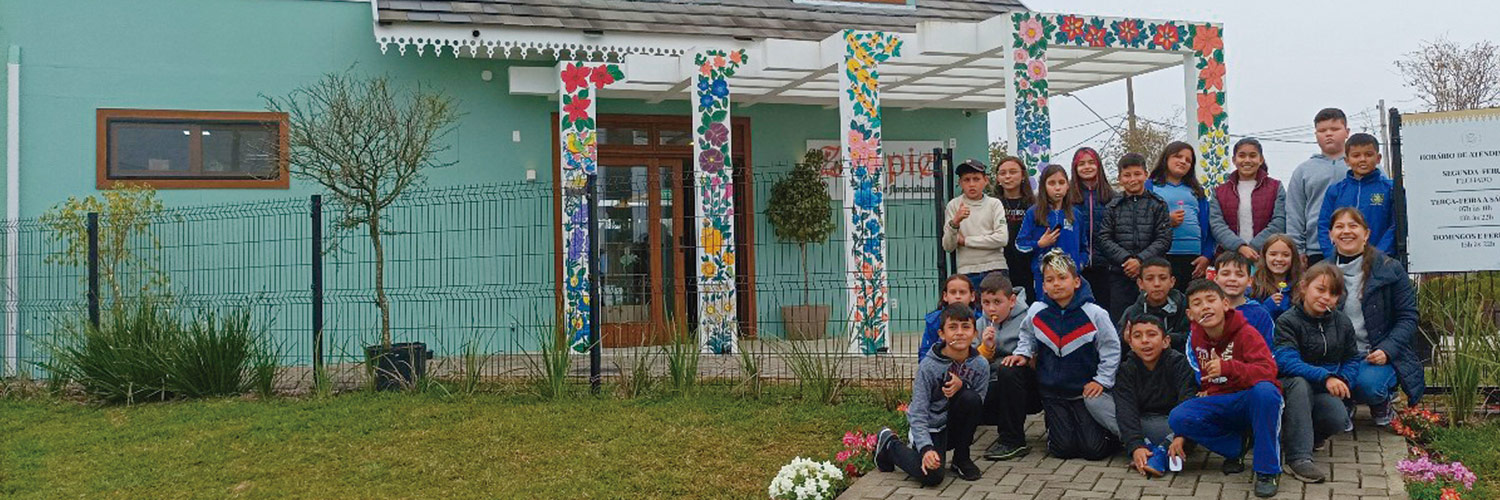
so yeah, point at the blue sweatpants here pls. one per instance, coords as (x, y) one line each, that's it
(1219, 423)
(1373, 383)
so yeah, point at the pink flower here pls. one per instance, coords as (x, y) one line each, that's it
(849, 440)
(1031, 31)
(870, 442)
(1038, 69)
(1021, 56)
(843, 456)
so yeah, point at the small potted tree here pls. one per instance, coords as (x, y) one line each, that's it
(800, 213)
(368, 144)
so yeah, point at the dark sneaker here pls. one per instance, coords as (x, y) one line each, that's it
(1265, 485)
(1320, 445)
(1308, 472)
(1381, 413)
(999, 451)
(1233, 465)
(965, 469)
(882, 445)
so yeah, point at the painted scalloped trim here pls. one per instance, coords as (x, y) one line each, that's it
(510, 48)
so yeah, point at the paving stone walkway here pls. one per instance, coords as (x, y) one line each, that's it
(1363, 468)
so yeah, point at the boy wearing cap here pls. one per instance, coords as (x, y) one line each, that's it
(975, 229)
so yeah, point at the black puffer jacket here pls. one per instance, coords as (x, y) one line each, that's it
(1315, 348)
(1134, 226)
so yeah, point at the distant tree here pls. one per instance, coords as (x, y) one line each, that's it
(998, 149)
(1448, 77)
(1148, 138)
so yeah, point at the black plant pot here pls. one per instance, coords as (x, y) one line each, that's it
(398, 366)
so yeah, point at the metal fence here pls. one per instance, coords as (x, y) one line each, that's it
(472, 271)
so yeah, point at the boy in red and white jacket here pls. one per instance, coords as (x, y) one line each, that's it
(1238, 376)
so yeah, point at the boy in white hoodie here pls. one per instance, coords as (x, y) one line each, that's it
(975, 229)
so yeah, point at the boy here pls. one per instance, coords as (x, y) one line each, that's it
(976, 230)
(1013, 393)
(1233, 276)
(1152, 381)
(1159, 297)
(1366, 189)
(1135, 228)
(1304, 192)
(1076, 350)
(1240, 391)
(946, 400)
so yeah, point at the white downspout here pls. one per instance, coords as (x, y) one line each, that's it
(12, 210)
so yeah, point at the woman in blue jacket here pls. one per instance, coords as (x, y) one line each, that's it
(1382, 305)
(1175, 179)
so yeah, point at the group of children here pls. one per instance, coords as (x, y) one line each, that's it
(1260, 354)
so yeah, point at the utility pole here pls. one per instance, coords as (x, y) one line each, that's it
(1130, 104)
(1385, 140)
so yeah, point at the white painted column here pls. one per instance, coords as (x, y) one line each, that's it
(12, 210)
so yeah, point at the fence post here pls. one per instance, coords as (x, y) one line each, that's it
(939, 203)
(317, 288)
(952, 192)
(596, 300)
(93, 293)
(1399, 196)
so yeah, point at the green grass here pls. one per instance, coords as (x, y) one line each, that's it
(710, 444)
(1478, 447)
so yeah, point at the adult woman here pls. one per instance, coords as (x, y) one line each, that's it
(1091, 191)
(1383, 307)
(1249, 207)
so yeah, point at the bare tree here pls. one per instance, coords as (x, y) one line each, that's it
(1148, 138)
(1449, 77)
(367, 144)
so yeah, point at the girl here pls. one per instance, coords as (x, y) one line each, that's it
(1279, 265)
(1318, 359)
(1091, 191)
(1051, 223)
(1382, 305)
(1015, 193)
(1175, 179)
(957, 289)
(1250, 206)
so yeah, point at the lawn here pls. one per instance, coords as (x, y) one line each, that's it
(1478, 447)
(711, 444)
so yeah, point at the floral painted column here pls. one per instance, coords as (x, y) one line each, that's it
(580, 155)
(714, 186)
(1033, 119)
(864, 188)
(1212, 119)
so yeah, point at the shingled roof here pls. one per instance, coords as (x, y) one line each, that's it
(785, 19)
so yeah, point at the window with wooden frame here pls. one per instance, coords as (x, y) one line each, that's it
(172, 149)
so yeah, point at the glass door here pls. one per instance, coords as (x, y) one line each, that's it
(639, 221)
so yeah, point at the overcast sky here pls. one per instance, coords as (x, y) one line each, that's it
(1285, 60)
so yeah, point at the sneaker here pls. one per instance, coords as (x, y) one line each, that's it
(1381, 413)
(1320, 445)
(1349, 422)
(1265, 485)
(999, 451)
(1308, 472)
(965, 469)
(1234, 465)
(882, 444)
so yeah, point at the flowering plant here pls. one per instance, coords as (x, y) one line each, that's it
(858, 455)
(1427, 479)
(1416, 424)
(804, 479)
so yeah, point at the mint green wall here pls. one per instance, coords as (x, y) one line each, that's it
(224, 54)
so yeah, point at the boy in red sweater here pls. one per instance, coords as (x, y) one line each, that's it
(1238, 377)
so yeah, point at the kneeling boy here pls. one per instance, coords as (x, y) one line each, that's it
(1153, 379)
(1013, 393)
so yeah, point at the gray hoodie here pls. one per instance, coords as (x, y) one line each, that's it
(1010, 327)
(1304, 199)
(928, 411)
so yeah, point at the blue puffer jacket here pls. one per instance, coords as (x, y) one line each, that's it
(1372, 197)
(1390, 305)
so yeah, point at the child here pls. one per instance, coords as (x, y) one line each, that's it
(1383, 308)
(1092, 193)
(1159, 298)
(1051, 223)
(1152, 381)
(1135, 229)
(1240, 391)
(1233, 277)
(1366, 189)
(947, 397)
(1076, 351)
(1305, 190)
(976, 230)
(957, 289)
(1249, 207)
(1013, 392)
(1316, 352)
(1014, 191)
(1175, 179)
(1280, 266)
